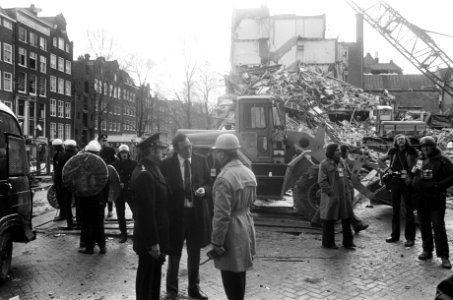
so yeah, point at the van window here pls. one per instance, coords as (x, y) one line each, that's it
(255, 116)
(7, 125)
(18, 164)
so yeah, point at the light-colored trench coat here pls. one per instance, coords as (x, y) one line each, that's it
(234, 192)
(336, 197)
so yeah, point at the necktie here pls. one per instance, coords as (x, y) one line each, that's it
(187, 181)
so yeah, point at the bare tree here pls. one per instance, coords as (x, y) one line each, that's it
(102, 44)
(190, 71)
(208, 82)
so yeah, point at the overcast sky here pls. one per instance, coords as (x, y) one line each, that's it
(156, 29)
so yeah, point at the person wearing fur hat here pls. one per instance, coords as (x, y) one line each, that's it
(124, 166)
(402, 157)
(335, 199)
(58, 157)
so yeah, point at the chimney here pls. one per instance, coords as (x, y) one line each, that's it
(376, 57)
(359, 41)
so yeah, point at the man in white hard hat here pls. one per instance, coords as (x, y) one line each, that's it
(233, 232)
(58, 157)
(124, 166)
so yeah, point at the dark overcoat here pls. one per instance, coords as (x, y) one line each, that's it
(151, 224)
(200, 178)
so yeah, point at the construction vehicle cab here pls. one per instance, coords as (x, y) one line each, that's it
(15, 193)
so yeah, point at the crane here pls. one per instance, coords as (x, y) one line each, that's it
(411, 41)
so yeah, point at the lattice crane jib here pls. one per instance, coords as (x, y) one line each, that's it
(410, 40)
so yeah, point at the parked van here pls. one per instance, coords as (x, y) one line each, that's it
(16, 197)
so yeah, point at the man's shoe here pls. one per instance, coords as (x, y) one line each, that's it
(171, 296)
(425, 255)
(446, 263)
(350, 246)
(86, 251)
(123, 239)
(360, 227)
(409, 244)
(391, 240)
(198, 294)
(330, 246)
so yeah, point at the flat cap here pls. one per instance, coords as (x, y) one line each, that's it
(153, 141)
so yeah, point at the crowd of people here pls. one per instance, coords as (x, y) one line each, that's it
(420, 177)
(174, 200)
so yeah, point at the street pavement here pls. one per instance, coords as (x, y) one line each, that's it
(287, 266)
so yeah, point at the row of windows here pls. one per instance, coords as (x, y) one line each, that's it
(7, 24)
(64, 131)
(32, 60)
(64, 89)
(64, 109)
(31, 83)
(115, 126)
(60, 43)
(32, 38)
(113, 91)
(61, 64)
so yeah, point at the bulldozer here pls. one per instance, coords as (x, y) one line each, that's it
(282, 160)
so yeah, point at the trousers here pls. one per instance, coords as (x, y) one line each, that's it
(400, 189)
(120, 207)
(328, 232)
(147, 282)
(433, 220)
(234, 284)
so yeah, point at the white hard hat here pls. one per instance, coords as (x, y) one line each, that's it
(93, 146)
(227, 141)
(123, 147)
(57, 142)
(70, 143)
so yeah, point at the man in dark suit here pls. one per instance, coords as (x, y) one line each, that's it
(189, 179)
(151, 218)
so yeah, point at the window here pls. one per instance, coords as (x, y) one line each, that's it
(33, 61)
(42, 43)
(22, 57)
(68, 88)
(103, 125)
(22, 34)
(111, 90)
(54, 42)
(33, 39)
(43, 64)
(53, 61)
(32, 84)
(68, 67)
(7, 53)
(68, 131)
(60, 64)
(60, 109)
(53, 131)
(53, 84)
(67, 47)
(257, 117)
(61, 43)
(60, 131)
(61, 86)
(21, 82)
(21, 108)
(53, 107)
(8, 24)
(67, 111)
(7, 81)
(42, 86)
(106, 87)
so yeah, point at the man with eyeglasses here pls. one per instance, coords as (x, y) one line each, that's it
(402, 157)
(189, 180)
(430, 184)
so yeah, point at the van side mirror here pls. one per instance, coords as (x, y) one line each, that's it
(16, 157)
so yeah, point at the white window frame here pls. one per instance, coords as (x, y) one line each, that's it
(30, 84)
(8, 24)
(36, 39)
(45, 87)
(43, 64)
(18, 34)
(25, 84)
(67, 48)
(60, 131)
(54, 42)
(60, 109)
(23, 52)
(53, 61)
(61, 64)
(53, 84)
(5, 82)
(68, 67)
(53, 131)
(42, 43)
(53, 108)
(67, 111)
(7, 53)
(67, 131)
(33, 55)
(61, 43)
(68, 88)
(60, 86)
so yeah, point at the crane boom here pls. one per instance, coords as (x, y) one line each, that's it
(410, 40)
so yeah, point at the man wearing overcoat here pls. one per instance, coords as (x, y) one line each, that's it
(189, 179)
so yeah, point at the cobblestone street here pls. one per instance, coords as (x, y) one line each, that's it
(286, 267)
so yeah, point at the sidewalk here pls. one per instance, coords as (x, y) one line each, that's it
(286, 267)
